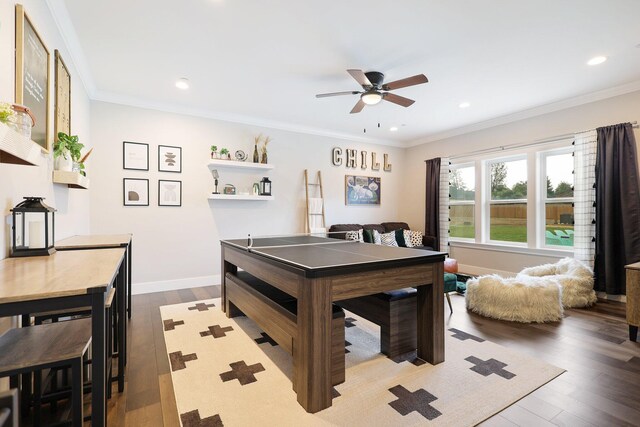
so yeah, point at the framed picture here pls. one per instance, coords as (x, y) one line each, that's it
(169, 159)
(135, 192)
(135, 156)
(62, 115)
(32, 76)
(362, 190)
(169, 193)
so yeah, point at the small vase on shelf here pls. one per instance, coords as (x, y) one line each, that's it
(256, 157)
(264, 157)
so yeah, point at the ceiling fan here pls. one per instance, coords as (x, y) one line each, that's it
(375, 90)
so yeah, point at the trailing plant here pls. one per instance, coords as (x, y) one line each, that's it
(67, 144)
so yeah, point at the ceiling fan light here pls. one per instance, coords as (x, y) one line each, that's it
(371, 98)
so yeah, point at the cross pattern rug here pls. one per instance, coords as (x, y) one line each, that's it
(229, 372)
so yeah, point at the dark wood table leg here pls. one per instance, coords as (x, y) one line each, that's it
(227, 267)
(633, 333)
(313, 347)
(129, 260)
(430, 313)
(121, 287)
(98, 361)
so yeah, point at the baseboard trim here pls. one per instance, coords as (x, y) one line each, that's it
(172, 285)
(480, 271)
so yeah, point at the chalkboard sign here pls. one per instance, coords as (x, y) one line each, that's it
(32, 76)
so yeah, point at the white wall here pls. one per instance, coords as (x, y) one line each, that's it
(624, 108)
(180, 246)
(18, 181)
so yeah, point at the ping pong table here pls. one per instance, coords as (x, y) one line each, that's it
(319, 270)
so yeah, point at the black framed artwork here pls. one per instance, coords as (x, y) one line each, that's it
(135, 192)
(169, 193)
(135, 156)
(169, 159)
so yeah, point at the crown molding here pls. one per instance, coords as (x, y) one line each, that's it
(65, 26)
(528, 113)
(233, 118)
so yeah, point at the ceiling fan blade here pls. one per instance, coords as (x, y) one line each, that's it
(324, 95)
(409, 81)
(397, 99)
(360, 78)
(358, 107)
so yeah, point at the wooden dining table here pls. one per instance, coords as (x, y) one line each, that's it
(68, 280)
(103, 241)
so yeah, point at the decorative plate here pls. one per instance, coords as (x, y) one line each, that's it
(241, 155)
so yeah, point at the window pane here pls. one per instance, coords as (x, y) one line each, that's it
(509, 180)
(559, 224)
(462, 183)
(559, 169)
(508, 222)
(462, 221)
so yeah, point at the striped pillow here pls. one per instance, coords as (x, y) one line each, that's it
(388, 239)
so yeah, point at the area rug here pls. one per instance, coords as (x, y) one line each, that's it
(228, 372)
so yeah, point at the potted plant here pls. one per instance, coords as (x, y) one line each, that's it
(66, 151)
(214, 151)
(225, 154)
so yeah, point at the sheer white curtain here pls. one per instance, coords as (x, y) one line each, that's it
(584, 194)
(444, 204)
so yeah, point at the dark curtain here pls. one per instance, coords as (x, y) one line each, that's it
(432, 202)
(617, 207)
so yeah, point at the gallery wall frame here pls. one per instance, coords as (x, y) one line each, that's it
(169, 193)
(135, 156)
(169, 159)
(362, 190)
(33, 80)
(62, 97)
(135, 192)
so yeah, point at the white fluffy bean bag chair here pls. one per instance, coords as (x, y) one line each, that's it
(575, 277)
(521, 299)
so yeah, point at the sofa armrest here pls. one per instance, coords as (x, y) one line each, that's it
(429, 241)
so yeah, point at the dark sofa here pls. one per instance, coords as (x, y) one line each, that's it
(428, 242)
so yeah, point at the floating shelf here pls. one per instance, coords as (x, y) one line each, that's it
(214, 164)
(72, 179)
(239, 197)
(16, 149)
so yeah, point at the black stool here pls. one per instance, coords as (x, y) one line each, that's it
(54, 345)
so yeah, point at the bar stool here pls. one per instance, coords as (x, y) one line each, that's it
(53, 345)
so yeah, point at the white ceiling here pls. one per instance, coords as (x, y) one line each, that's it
(262, 62)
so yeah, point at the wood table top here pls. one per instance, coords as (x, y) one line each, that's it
(64, 273)
(94, 241)
(635, 266)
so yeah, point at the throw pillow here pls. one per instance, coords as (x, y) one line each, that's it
(388, 239)
(400, 238)
(376, 237)
(367, 235)
(407, 238)
(416, 238)
(354, 235)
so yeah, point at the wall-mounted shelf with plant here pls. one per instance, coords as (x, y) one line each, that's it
(69, 162)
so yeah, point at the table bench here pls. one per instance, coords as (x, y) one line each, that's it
(275, 311)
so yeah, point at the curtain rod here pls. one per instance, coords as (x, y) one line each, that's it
(549, 140)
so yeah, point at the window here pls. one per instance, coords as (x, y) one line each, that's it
(508, 200)
(462, 195)
(557, 198)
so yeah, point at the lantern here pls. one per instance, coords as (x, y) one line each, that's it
(33, 228)
(265, 187)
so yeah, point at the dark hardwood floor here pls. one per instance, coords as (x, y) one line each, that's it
(601, 386)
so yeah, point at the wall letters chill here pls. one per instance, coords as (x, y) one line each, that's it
(350, 158)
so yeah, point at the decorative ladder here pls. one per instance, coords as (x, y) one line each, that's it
(312, 203)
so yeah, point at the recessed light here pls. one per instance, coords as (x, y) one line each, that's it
(393, 128)
(464, 105)
(182, 84)
(597, 60)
